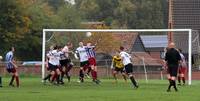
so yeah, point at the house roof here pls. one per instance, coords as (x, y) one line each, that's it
(154, 41)
(148, 60)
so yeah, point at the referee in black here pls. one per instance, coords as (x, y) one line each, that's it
(172, 59)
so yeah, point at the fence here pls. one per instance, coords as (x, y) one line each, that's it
(104, 71)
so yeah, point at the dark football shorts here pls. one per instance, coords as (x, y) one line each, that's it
(121, 70)
(52, 67)
(172, 69)
(83, 64)
(129, 68)
(65, 62)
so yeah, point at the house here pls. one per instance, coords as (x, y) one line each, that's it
(134, 44)
(155, 44)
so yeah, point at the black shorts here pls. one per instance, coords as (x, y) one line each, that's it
(85, 63)
(65, 62)
(172, 69)
(52, 67)
(121, 70)
(129, 68)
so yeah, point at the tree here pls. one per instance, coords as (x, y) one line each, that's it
(150, 14)
(125, 14)
(89, 9)
(13, 24)
(106, 42)
(55, 4)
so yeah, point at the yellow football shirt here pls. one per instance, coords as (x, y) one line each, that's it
(118, 62)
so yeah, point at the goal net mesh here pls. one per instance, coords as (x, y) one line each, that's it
(146, 49)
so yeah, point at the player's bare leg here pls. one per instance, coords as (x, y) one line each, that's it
(115, 76)
(67, 72)
(124, 76)
(58, 75)
(53, 76)
(62, 75)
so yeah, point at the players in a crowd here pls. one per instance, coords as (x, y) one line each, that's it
(182, 68)
(126, 60)
(53, 64)
(48, 77)
(172, 59)
(65, 61)
(83, 57)
(117, 66)
(12, 67)
(92, 62)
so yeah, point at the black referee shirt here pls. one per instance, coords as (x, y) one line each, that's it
(172, 56)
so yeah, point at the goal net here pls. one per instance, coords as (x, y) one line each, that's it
(146, 46)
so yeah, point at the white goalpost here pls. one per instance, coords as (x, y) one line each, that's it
(122, 30)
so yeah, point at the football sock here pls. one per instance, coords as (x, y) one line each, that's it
(62, 76)
(94, 75)
(47, 77)
(179, 79)
(58, 79)
(68, 76)
(17, 80)
(81, 75)
(183, 78)
(170, 84)
(174, 84)
(12, 79)
(133, 81)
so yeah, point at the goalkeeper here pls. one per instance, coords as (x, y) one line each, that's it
(117, 66)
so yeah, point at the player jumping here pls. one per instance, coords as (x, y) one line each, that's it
(83, 57)
(54, 62)
(65, 62)
(92, 62)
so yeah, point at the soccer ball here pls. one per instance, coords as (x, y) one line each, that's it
(88, 34)
(1, 57)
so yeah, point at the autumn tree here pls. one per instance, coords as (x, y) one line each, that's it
(105, 41)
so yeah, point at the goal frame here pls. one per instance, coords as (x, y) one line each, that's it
(121, 30)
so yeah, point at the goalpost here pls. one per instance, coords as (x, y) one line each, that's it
(122, 30)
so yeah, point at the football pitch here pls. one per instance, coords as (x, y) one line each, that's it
(32, 89)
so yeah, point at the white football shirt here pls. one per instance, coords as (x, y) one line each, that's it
(54, 57)
(81, 51)
(126, 58)
(183, 63)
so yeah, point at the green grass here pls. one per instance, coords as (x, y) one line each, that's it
(32, 89)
